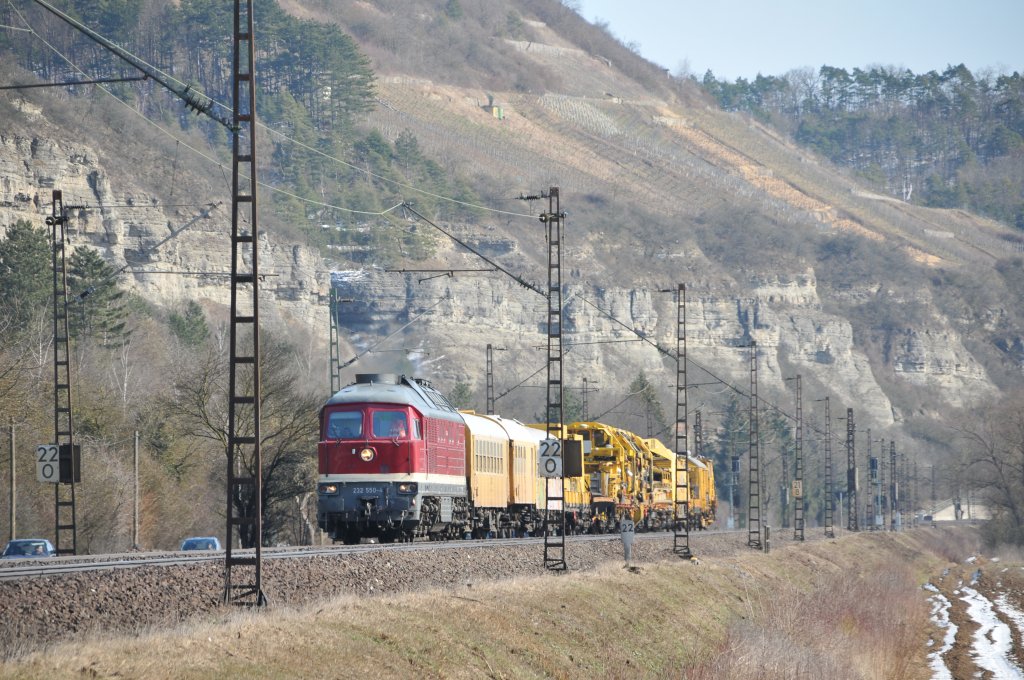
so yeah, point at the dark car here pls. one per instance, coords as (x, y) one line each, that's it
(201, 543)
(28, 547)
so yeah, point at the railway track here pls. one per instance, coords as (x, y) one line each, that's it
(17, 569)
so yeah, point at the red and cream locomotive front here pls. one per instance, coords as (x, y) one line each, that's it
(391, 459)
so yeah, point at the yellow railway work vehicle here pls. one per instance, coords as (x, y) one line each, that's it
(663, 485)
(701, 487)
(704, 500)
(613, 465)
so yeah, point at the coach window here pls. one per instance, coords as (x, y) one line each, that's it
(417, 428)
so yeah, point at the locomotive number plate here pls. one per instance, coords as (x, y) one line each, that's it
(366, 490)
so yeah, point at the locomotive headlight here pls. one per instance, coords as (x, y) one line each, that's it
(407, 487)
(328, 488)
(366, 455)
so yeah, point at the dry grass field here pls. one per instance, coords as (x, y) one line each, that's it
(846, 608)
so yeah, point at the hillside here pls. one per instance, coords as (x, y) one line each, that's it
(909, 315)
(651, 173)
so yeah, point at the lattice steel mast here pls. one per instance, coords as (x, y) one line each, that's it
(754, 462)
(830, 531)
(798, 480)
(490, 379)
(243, 574)
(852, 511)
(681, 526)
(65, 516)
(554, 537)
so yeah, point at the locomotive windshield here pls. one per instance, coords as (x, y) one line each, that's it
(390, 425)
(345, 425)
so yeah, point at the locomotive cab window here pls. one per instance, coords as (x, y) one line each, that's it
(390, 425)
(345, 425)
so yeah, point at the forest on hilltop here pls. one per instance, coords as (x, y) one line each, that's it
(945, 140)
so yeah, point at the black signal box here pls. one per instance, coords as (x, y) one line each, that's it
(70, 463)
(572, 458)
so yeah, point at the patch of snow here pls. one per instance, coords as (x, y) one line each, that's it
(971, 560)
(940, 616)
(993, 641)
(1011, 612)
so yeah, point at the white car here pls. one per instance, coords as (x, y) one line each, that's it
(28, 547)
(201, 543)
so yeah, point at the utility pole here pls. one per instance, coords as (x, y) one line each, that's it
(798, 481)
(905, 495)
(830, 531)
(335, 365)
(913, 495)
(869, 500)
(554, 540)
(935, 500)
(894, 493)
(852, 512)
(14, 487)
(585, 412)
(135, 504)
(698, 435)
(754, 469)
(734, 493)
(490, 380)
(882, 490)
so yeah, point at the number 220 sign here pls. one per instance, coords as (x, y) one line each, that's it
(549, 459)
(47, 463)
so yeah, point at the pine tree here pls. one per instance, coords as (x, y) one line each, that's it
(190, 327)
(96, 306)
(26, 272)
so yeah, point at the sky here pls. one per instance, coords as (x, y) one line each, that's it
(741, 38)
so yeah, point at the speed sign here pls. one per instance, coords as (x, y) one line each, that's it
(48, 463)
(549, 459)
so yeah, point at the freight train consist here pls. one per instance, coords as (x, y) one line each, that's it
(397, 461)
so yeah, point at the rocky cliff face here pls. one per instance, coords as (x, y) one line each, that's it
(171, 254)
(783, 314)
